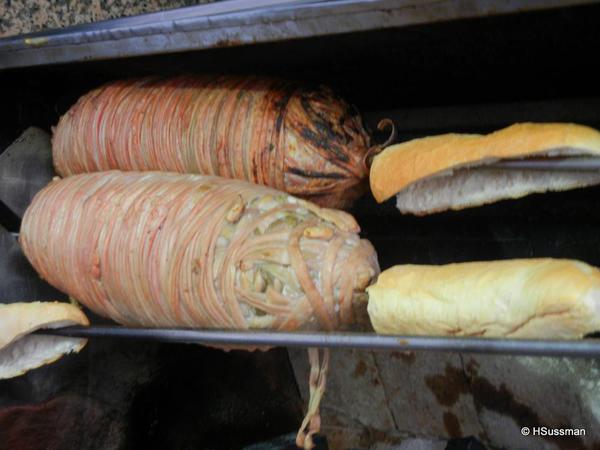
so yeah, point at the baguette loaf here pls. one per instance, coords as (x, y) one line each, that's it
(21, 351)
(520, 298)
(436, 173)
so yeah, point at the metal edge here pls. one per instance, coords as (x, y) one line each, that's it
(195, 28)
(583, 348)
(564, 164)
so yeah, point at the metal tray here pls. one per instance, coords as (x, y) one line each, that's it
(585, 348)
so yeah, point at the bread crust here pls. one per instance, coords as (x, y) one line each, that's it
(520, 298)
(18, 320)
(400, 165)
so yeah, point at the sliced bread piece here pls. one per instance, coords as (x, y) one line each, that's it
(444, 172)
(20, 350)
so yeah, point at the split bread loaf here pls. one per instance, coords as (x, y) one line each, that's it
(437, 173)
(520, 298)
(20, 350)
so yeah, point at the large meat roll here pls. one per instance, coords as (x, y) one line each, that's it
(296, 138)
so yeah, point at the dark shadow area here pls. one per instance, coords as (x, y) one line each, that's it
(210, 399)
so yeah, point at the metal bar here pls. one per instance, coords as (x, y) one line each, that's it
(211, 26)
(558, 164)
(587, 348)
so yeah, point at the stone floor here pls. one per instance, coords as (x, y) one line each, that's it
(28, 16)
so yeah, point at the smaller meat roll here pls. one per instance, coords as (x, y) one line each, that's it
(164, 249)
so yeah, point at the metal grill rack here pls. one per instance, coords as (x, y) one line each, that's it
(588, 348)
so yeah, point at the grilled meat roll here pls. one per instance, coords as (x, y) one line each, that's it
(163, 249)
(302, 140)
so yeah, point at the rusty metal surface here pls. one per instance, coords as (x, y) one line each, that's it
(25, 168)
(18, 280)
(449, 396)
(355, 410)
(213, 26)
(378, 399)
(514, 392)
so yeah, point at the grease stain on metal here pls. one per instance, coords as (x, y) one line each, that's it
(36, 41)
(447, 388)
(502, 401)
(452, 425)
(360, 369)
(408, 357)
